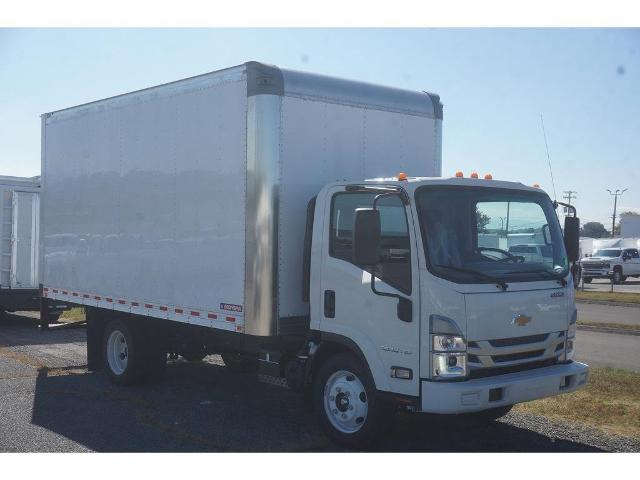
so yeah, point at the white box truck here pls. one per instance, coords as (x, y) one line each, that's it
(231, 213)
(19, 207)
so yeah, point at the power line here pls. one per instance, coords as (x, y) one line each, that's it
(615, 194)
(553, 183)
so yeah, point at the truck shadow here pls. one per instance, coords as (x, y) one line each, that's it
(18, 329)
(205, 407)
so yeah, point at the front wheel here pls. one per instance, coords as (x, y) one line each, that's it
(346, 404)
(618, 278)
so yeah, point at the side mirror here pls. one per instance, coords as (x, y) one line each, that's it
(366, 237)
(572, 237)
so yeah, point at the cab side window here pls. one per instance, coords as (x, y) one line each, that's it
(394, 267)
(633, 253)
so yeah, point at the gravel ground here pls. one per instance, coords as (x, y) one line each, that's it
(50, 402)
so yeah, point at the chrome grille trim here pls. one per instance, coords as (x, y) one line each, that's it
(537, 347)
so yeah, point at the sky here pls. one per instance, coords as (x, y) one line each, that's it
(494, 83)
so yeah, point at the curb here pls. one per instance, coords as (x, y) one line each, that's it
(619, 331)
(606, 302)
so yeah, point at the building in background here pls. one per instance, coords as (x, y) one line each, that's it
(629, 225)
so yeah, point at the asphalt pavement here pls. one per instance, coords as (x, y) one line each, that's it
(600, 349)
(49, 402)
(631, 285)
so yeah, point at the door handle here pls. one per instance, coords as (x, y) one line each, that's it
(329, 304)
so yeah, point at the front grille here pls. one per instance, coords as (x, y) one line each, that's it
(491, 372)
(508, 342)
(593, 266)
(513, 357)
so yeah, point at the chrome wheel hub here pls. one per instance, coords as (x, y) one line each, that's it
(117, 352)
(345, 401)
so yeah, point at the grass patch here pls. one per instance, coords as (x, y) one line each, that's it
(76, 314)
(619, 297)
(617, 326)
(610, 401)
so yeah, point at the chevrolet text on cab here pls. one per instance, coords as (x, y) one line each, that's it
(229, 214)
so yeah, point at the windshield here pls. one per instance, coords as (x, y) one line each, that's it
(609, 252)
(481, 235)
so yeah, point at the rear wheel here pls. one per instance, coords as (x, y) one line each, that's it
(346, 403)
(240, 363)
(127, 358)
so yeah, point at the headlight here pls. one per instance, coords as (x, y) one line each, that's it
(448, 343)
(449, 365)
(449, 349)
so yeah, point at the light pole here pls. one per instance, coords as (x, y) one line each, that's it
(615, 194)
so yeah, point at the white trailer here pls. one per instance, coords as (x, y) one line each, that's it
(19, 213)
(229, 213)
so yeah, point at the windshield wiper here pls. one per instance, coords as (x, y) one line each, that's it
(501, 283)
(551, 275)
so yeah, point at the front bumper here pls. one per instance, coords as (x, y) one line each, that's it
(597, 273)
(484, 393)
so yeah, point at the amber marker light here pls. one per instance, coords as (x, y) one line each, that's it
(488, 176)
(402, 177)
(459, 174)
(474, 175)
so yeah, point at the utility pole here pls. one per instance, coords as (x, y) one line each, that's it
(615, 194)
(569, 195)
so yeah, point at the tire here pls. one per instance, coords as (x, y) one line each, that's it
(587, 280)
(126, 358)
(346, 403)
(239, 363)
(486, 416)
(618, 278)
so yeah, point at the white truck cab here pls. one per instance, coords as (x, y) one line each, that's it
(449, 324)
(615, 263)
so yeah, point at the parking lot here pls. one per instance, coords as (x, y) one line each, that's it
(50, 402)
(630, 285)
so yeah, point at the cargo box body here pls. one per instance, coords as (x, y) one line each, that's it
(187, 201)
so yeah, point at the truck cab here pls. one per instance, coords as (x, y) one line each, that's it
(404, 272)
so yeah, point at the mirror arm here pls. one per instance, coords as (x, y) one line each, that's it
(393, 295)
(570, 207)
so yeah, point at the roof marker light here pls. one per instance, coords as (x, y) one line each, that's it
(474, 175)
(402, 177)
(488, 176)
(459, 174)
(535, 185)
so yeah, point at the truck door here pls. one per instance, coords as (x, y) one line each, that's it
(24, 263)
(349, 306)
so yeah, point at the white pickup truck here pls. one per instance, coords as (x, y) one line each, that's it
(614, 263)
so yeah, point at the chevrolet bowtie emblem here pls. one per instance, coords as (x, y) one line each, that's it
(520, 320)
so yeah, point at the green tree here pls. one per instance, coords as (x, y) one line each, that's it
(482, 221)
(594, 230)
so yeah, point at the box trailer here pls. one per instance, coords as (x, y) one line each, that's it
(19, 213)
(230, 213)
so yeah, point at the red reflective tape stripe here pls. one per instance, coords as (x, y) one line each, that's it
(64, 292)
(109, 299)
(85, 295)
(238, 328)
(121, 302)
(98, 298)
(194, 313)
(230, 319)
(212, 315)
(55, 291)
(75, 294)
(179, 310)
(148, 305)
(164, 309)
(45, 289)
(135, 304)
